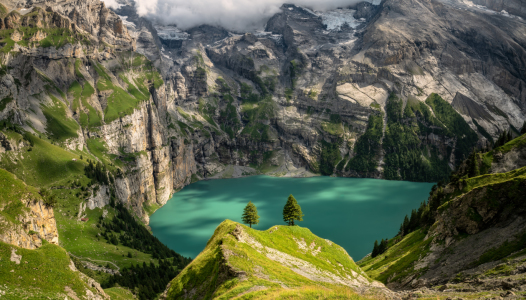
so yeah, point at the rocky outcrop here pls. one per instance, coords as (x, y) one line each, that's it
(507, 160)
(34, 221)
(35, 226)
(514, 7)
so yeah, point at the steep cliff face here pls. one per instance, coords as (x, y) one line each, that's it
(93, 96)
(283, 95)
(305, 96)
(514, 7)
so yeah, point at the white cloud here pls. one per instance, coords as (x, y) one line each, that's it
(111, 4)
(238, 15)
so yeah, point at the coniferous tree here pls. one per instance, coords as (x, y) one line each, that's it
(250, 214)
(503, 139)
(473, 165)
(405, 226)
(375, 249)
(49, 198)
(292, 211)
(383, 246)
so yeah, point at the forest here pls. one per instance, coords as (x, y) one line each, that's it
(408, 156)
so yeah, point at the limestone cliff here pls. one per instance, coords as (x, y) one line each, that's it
(322, 81)
(25, 220)
(303, 97)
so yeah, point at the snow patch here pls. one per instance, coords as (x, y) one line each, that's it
(171, 33)
(112, 4)
(469, 4)
(126, 22)
(270, 35)
(336, 19)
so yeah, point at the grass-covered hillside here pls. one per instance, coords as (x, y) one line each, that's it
(465, 230)
(12, 191)
(45, 273)
(111, 239)
(283, 262)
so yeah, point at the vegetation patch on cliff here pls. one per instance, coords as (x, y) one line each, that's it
(12, 191)
(399, 259)
(367, 147)
(407, 156)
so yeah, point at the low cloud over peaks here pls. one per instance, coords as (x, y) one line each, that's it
(237, 15)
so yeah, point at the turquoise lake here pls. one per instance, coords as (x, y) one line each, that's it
(352, 212)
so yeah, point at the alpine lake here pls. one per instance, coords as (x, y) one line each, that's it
(351, 212)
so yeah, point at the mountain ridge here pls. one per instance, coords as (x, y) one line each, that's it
(250, 263)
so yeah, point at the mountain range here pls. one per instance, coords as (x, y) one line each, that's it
(105, 114)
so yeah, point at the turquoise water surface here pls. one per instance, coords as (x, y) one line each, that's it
(352, 212)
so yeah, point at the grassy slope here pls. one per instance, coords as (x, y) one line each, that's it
(42, 274)
(11, 191)
(398, 260)
(59, 125)
(45, 165)
(118, 293)
(206, 272)
(82, 239)
(48, 165)
(123, 102)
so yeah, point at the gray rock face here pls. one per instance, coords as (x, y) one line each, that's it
(318, 71)
(515, 7)
(276, 98)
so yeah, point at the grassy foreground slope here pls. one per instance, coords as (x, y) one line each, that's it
(283, 262)
(44, 273)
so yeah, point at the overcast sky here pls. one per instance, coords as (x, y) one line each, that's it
(238, 15)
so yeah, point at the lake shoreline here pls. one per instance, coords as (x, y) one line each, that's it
(345, 210)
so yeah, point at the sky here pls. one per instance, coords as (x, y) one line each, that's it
(236, 15)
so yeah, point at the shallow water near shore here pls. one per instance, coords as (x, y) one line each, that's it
(352, 212)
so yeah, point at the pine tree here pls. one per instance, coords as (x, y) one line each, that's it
(405, 226)
(375, 249)
(383, 246)
(250, 214)
(502, 139)
(292, 211)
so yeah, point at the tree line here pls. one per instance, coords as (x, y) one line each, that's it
(124, 229)
(97, 172)
(146, 280)
(291, 212)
